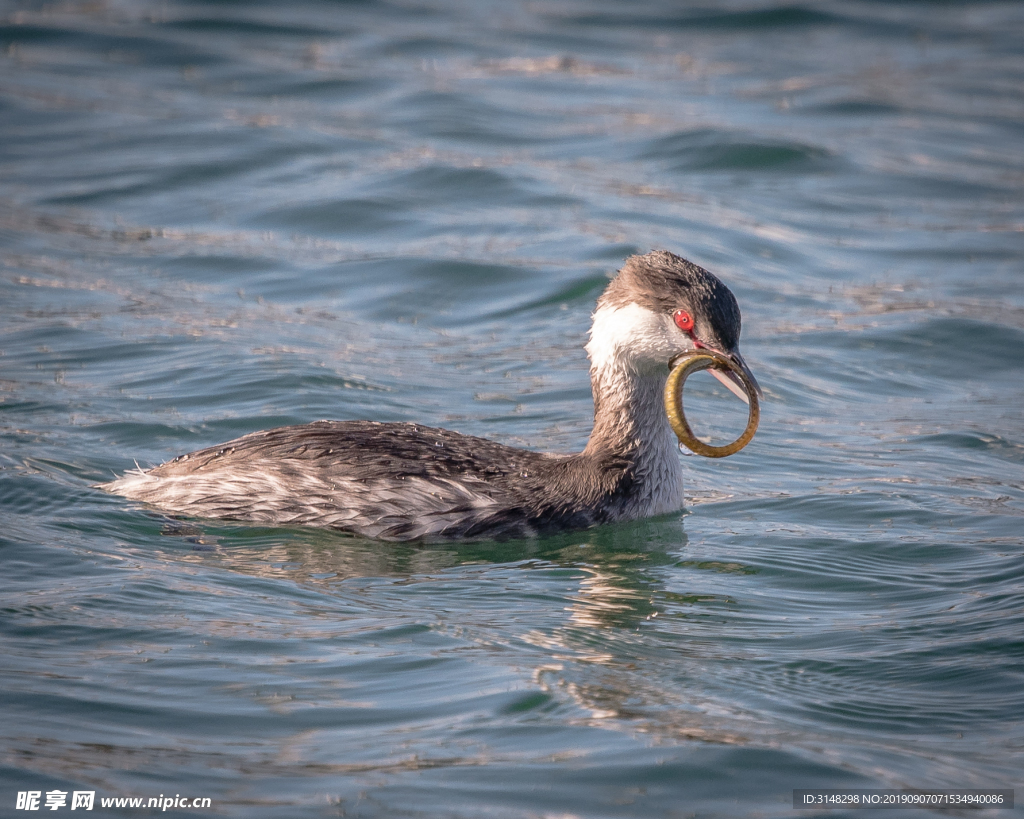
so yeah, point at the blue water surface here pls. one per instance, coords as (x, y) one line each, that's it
(222, 217)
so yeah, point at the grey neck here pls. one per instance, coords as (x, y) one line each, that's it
(630, 423)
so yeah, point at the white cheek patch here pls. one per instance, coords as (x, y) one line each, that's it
(631, 336)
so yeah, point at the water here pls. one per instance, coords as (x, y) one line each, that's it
(220, 217)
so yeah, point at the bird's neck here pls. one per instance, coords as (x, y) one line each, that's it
(630, 423)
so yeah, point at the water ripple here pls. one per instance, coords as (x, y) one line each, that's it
(222, 218)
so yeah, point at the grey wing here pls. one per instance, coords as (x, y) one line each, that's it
(389, 481)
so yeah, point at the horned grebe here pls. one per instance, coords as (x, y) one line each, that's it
(402, 481)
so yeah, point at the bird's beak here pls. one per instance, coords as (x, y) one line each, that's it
(733, 382)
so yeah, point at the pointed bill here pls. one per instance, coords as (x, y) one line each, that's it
(733, 382)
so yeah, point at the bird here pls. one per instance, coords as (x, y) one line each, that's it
(407, 481)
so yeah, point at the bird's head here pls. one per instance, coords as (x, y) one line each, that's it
(660, 307)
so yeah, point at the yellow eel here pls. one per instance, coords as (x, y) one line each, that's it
(693, 363)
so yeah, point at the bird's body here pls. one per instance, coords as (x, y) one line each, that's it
(407, 481)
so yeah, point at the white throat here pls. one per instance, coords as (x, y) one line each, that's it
(628, 349)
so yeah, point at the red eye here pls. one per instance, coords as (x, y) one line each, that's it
(684, 321)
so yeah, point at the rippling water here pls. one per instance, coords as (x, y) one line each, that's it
(221, 217)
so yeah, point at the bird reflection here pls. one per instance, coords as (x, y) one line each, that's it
(604, 641)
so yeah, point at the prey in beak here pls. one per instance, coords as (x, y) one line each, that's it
(731, 380)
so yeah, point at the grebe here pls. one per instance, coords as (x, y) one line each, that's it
(402, 481)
